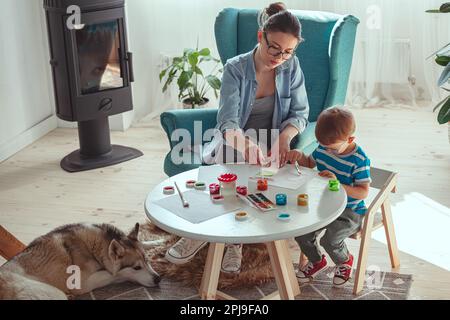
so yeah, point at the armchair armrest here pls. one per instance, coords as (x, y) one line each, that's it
(186, 119)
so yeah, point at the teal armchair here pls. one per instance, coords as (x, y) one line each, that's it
(325, 58)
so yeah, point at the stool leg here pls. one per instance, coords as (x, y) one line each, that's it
(390, 233)
(363, 251)
(210, 279)
(10, 246)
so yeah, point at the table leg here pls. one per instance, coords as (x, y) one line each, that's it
(290, 268)
(210, 279)
(283, 270)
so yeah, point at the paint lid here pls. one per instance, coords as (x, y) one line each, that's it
(168, 190)
(284, 217)
(227, 177)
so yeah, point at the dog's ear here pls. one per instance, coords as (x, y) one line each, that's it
(133, 235)
(116, 250)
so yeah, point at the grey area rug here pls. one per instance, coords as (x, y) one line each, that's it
(378, 286)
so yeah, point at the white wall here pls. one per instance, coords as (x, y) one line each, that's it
(164, 27)
(27, 108)
(167, 26)
(26, 98)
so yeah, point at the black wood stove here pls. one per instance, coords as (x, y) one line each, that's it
(92, 75)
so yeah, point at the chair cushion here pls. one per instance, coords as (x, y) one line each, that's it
(307, 138)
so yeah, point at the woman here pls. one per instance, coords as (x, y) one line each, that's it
(263, 90)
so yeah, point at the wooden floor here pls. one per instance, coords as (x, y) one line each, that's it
(37, 196)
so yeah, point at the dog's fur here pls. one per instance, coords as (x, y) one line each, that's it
(103, 254)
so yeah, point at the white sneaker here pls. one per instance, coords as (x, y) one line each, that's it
(232, 259)
(184, 250)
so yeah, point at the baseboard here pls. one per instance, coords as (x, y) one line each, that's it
(26, 138)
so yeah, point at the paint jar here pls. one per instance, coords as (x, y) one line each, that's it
(333, 185)
(190, 184)
(200, 186)
(228, 185)
(281, 199)
(303, 200)
(214, 189)
(217, 199)
(242, 190)
(241, 216)
(262, 185)
(168, 190)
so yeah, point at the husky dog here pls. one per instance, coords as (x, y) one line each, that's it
(76, 259)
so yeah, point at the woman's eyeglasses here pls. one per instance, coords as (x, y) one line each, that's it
(275, 52)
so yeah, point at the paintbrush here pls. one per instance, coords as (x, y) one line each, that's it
(185, 203)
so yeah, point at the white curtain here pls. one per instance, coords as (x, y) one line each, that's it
(393, 41)
(389, 65)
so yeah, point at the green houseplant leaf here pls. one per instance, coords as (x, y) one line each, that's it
(444, 8)
(192, 80)
(440, 103)
(444, 113)
(445, 76)
(443, 59)
(205, 52)
(214, 82)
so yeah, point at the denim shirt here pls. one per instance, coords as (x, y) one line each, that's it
(238, 94)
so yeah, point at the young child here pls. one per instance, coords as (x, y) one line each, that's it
(337, 157)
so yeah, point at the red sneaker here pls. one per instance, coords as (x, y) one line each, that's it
(343, 272)
(311, 270)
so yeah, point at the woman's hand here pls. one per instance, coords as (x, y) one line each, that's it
(327, 174)
(254, 155)
(294, 156)
(280, 150)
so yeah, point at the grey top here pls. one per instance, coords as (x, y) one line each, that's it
(261, 116)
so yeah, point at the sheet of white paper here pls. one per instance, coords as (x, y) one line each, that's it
(201, 208)
(288, 178)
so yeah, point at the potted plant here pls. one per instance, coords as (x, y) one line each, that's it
(443, 59)
(193, 83)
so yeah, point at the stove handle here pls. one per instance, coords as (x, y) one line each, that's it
(129, 60)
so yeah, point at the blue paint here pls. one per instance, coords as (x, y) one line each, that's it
(281, 199)
(284, 216)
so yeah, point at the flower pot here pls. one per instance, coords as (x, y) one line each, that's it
(187, 104)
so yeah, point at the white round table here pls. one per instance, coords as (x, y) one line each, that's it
(261, 227)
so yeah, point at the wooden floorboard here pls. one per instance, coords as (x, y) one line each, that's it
(37, 196)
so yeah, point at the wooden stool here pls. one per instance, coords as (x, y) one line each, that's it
(386, 182)
(10, 246)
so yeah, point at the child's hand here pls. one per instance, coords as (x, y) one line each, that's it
(327, 174)
(294, 156)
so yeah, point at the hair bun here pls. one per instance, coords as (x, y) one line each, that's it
(276, 7)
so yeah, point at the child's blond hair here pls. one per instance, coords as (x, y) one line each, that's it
(335, 124)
